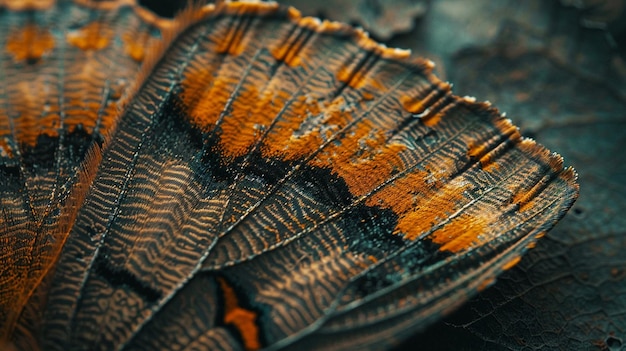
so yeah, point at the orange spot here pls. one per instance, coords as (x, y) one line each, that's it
(205, 101)
(31, 123)
(309, 22)
(420, 202)
(363, 158)
(251, 115)
(432, 120)
(488, 164)
(477, 151)
(461, 233)
(481, 152)
(426, 107)
(29, 44)
(287, 54)
(372, 258)
(413, 104)
(94, 36)
(531, 245)
(135, 46)
(514, 261)
(288, 139)
(507, 128)
(5, 149)
(356, 80)
(293, 14)
(524, 199)
(485, 284)
(233, 42)
(242, 319)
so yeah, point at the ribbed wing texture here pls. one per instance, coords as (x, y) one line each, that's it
(64, 69)
(275, 182)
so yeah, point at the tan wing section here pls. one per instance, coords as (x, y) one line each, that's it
(65, 69)
(283, 183)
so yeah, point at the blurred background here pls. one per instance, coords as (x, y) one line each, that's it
(558, 70)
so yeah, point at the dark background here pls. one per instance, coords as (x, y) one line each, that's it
(558, 69)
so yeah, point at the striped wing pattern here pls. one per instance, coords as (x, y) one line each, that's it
(245, 178)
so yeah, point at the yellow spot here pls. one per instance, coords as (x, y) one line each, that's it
(29, 44)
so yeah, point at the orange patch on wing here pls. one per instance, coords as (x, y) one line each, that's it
(88, 118)
(31, 122)
(420, 107)
(288, 139)
(233, 43)
(460, 234)
(5, 149)
(251, 116)
(481, 152)
(94, 36)
(356, 80)
(432, 120)
(512, 263)
(421, 201)
(30, 43)
(242, 319)
(485, 284)
(524, 198)
(135, 46)
(488, 164)
(289, 52)
(205, 97)
(84, 106)
(413, 104)
(362, 158)
(425, 107)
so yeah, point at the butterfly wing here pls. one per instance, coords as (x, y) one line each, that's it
(65, 69)
(281, 183)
